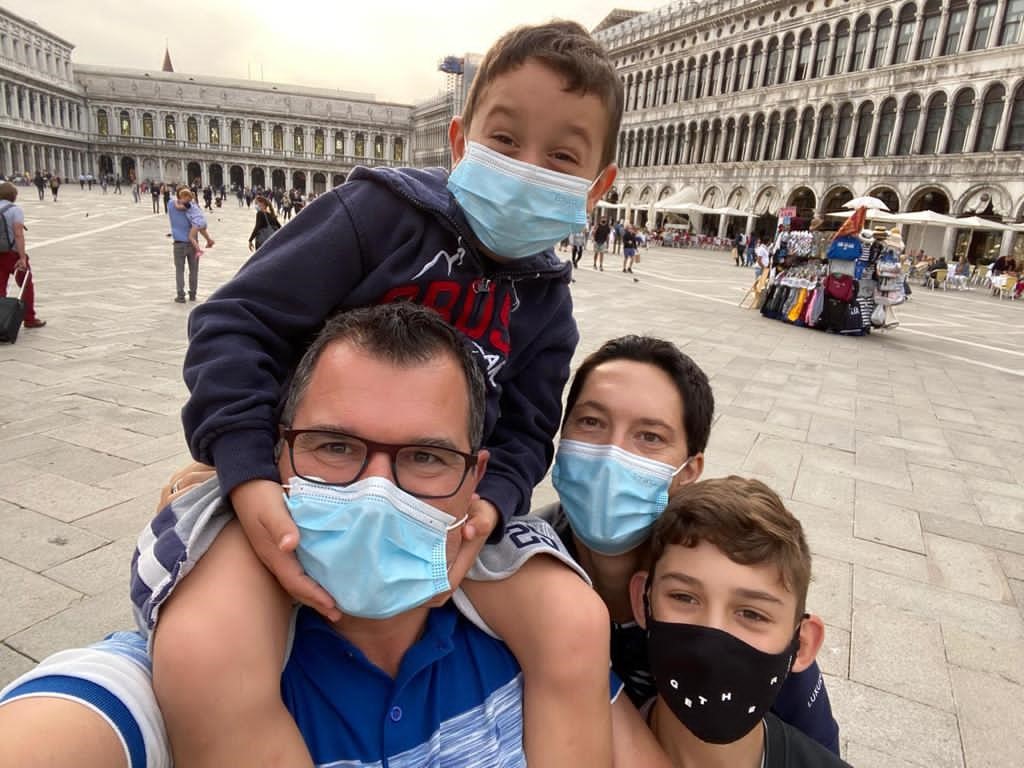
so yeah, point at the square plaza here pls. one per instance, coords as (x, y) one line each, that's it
(898, 452)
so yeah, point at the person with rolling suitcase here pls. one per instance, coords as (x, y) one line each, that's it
(14, 260)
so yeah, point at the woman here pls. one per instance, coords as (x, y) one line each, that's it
(266, 223)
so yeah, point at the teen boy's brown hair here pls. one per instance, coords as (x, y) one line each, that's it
(745, 519)
(568, 49)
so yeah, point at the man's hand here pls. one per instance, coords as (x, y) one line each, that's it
(483, 516)
(209, 241)
(260, 508)
(251, 247)
(182, 480)
(21, 263)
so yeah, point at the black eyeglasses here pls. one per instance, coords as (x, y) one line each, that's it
(335, 458)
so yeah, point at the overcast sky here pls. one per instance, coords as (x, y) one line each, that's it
(386, 47)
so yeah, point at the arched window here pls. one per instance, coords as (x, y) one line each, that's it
(788, 51)
(716, 141)
(277, 137)
(844, 125)
(821, 54)
(933, 121)
(963, 112)
(378, 147)
(691, 79)
(740, 70)
(865, 121)
(886, 124)
(680, 82)
(803, 145)
(911, 116)
(741, 140)
(860, 43)
(657, 88)
(236, 133)
(298, 140)
(147, 125)
(192, 130)
(755, 149)
(788, 135)
(701, 71)
(727, 68)
(955, 28)
(102, 126)
(929, 30)
(756, 62)
(125, 121)
(339, 143)
(824, 131)
(257, 135)
(170, 127)
(713, 76)
(983, 19)
(1015, 135)
(215, 133)
(1012, 23)
(991, 114)
(883, 31)
(360, 145)
(803, 56)
(772, 142)
(771, 75)
(398, 150)
(318, 142)
(904, 34)
(730, 135)
(842, 41)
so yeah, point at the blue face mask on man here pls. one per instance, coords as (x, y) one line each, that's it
(514, 208)
(611, 497)
(377, 550)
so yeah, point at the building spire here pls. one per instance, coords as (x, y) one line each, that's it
(167, 67)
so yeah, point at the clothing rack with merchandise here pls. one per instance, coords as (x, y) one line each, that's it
(851, 293)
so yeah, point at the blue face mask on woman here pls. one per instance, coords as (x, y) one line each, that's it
(514, 208)
(611, 497)
(376, 549)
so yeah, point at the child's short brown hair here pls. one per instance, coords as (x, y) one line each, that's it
(568, 49)
(745, 520)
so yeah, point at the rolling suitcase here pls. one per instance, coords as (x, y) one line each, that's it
(12, 312)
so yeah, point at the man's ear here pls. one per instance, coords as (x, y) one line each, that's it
(601, 185)
(812, 635)
(477, 473)
(636, 597)
(689, 474)
(457, 139)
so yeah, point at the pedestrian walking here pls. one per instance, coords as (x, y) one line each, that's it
(40, 183)
(165, 193)
(266, 223)
(54, 186)
(578, 241)
(629, 243)
(618, 230)
(81, 181)
(154, 192)
(601, 234)
(187, 223)
(208, 197)
(136, 195)
(14, 256)
(117, 185)
(286, 208)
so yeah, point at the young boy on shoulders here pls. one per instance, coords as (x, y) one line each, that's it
(533, 152)
(722, 601)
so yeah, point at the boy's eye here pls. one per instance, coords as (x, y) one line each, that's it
(503, 139)
(590, 422)
(751, 615)
(564, 157)
(683, 597)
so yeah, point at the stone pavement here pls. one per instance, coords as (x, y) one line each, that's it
(897, 451)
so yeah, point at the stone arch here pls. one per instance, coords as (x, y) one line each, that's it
(646, 195)
(930, 197)
(804, 200)
(887, 195)
(738, 197)
(835, 197)
(711, 197)
(665, 192)
(979, 196)
(766, 201)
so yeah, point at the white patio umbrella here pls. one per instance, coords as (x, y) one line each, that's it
(976, 222)
(730, 211)
(927, 218)
(613, 206)
(875, 215)
(871, 203)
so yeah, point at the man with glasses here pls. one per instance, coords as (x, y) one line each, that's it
(380, 445)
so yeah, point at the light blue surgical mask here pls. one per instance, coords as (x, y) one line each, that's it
(376, 549)
(611, 497)
(514, 208)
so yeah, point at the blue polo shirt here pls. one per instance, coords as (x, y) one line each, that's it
(183, 221)
(455, 703)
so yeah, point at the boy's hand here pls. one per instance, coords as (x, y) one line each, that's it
(272, 534)
(483, 516)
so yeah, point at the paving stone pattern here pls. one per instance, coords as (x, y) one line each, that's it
(898, 452)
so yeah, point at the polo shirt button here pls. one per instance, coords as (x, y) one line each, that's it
(396, 714)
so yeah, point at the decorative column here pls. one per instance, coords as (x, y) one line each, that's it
(915, 40)
(8, 161)
(872, 37)
(747, 68)
(1004, 126)
(997, 22)
(897, 127)
(972, 129)
(968, 31)
(809, 75)
(831, 52)
(940, 37)
(947, 124)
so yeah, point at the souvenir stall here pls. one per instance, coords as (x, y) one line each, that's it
(851, 292)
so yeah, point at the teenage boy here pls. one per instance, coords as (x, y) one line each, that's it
(601, 234)
(619, 459)
(722, 602)
(628, 248)
(533, 153)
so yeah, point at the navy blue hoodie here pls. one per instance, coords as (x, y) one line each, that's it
(384, 235)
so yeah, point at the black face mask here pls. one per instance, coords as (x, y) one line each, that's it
(717, 685)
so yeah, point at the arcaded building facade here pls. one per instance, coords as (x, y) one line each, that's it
(807, 104)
